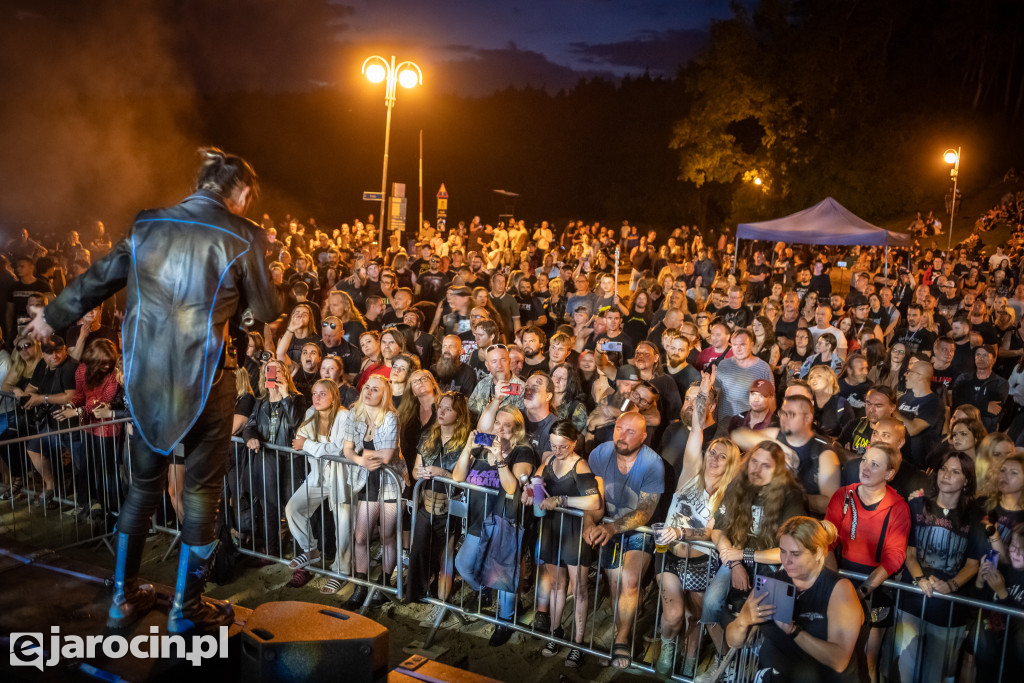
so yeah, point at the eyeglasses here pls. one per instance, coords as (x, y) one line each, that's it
(333, 326)
(24, 346)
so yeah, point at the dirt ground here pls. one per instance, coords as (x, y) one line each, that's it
(463, 646)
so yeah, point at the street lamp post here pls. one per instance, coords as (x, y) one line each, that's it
(409, 75)
(952, 156)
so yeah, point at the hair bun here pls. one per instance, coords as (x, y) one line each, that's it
(830, 530)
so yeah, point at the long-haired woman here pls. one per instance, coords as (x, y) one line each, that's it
(554, 305)
(943, 553)
(687, 570)
(990, 453)
(569, 398)
(99, 395)
(371, 441)
(373, 360)
(1004, 507)
(765, 347)
(402, 367)
(278, 412)
(503, 463)
(317, 436)
(893, 371)
(569, 483)
(437, 453)
(759, 499)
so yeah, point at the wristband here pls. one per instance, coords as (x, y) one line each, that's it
(917, 578)
(46, 398)
(796, 630)
(500, 464)
(954, 585)
(563, 501)
(748, 556)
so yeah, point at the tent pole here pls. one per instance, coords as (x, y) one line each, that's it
(736, 255)
(887, 261)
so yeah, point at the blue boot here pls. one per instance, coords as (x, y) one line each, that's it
(189, 610)
(131, 601)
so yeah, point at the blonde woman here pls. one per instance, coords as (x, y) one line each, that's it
(371, 441)
(317, 436)
(687, 570)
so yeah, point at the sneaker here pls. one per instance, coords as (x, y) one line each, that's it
(48, 501)
(501, 635)
(666, 658)
(300, 577)
(574, 659)
(551, 648)
(432, 616)
(542, 622)
(10, 492)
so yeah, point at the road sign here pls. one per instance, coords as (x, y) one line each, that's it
(373, 196)
(396, 212)
(442, 193)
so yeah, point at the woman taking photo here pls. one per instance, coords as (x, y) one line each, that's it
(944, 548)
(1002, 584)
(765, 346)
(569, 483)
(273, 422)
(435, 531)
(497, 467)
(371, 441)
(688, 569)
(820, 642)
(873, 522)
(317, 436)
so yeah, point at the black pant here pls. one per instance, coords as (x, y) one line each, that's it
(207, 448)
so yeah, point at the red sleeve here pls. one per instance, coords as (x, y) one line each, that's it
(894, 552)
(834, 512)
(79, 398)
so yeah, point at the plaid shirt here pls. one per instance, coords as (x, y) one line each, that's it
(385, 436)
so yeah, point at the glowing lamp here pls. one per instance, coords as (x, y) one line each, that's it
(375, 73)
(408, 78)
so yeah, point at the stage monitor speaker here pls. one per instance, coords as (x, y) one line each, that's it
(299, 641)
(419, 669)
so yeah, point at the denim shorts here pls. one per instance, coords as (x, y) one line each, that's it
(611, 554)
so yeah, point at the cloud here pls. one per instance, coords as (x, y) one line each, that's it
(484, 71)
(661, 52)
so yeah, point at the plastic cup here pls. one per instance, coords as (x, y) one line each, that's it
(657, 528)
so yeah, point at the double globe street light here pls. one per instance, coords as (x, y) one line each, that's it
(952, 157)
(408, 75)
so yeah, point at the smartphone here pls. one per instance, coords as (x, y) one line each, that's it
(610, 346)
(514, 390)
(627, 406)
(840, 264)
(271, 375)
(780, 594)
(993, 557)
(484, 439)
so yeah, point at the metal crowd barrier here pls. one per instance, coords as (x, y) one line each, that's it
(87, 464)
(91, 472)
(601, 615)
(259, 486)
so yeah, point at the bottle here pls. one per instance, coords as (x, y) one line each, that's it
(539, 494)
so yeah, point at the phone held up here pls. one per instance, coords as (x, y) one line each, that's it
(271, 376)
(484, 439)
(780, 594)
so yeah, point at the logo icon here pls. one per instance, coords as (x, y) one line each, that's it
(27, 650)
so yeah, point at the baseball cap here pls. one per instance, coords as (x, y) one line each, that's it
(627, 372)
(763, 387)
(54, 343)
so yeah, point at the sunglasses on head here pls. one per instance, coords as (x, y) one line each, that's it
(333, 326)
(24, 346)
(496, 346)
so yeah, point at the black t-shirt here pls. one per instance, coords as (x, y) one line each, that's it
(244, 404)
(350, 356)
(433, 286)
(482, 474)
(979, 393)
(930, 409)
(19, 293)
(919, 340)
(56, 381)
(738, 317)
(530, 309)
(785, 329)
(854, 395)
(539, 433)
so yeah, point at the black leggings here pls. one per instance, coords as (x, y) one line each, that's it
(207, 448)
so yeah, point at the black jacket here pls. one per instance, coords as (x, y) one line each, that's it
(290, 411)
(190, 271)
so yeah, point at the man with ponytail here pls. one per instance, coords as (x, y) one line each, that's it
(190, 272)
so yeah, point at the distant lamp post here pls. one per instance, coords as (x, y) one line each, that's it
(406, 74)
(757, 181)
(952, 156)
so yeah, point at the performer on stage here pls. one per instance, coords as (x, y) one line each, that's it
(190, 271)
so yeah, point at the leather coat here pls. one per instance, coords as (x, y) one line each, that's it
(190, 271)
(262, 427)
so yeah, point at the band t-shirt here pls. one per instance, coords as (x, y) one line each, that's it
(930, 409)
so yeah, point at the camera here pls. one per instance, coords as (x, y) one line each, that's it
(265, 356)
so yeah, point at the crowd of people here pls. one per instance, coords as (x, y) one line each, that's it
(764, 420)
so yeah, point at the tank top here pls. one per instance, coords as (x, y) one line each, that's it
(807, 469)
(572, 483)
(810, 612)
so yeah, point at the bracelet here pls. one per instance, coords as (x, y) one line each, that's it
(796, 630)
(563, 501)
(500, 464)
(748, 555)
(954, 585)
(46, 398)
(917, 578)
